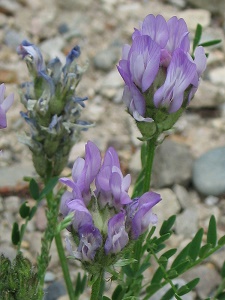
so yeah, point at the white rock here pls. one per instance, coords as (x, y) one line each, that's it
(195, 16)
(217, 75)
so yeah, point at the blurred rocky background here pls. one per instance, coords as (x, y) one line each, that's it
(189, 168)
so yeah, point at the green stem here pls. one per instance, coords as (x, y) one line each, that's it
(168, 280)
(64, 266)
(98, 287)
(150, 151)
(44, 257)
(220, 289)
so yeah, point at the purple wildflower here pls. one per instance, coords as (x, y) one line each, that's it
(111, 186)
(90, 242)
(85, 171)
(5, 104)
(117, 237)
(157, 70)
(180, 74)
(28, 49)
(139, 213)
(82, 215)
(140, 62)
(109, 218)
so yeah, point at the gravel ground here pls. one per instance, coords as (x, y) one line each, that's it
(101, 28)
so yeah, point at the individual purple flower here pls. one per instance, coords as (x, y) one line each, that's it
(26, 48)
(5, 104)
(74, 53)
(117, 237)
(155, 27)
(180, 74)
(90, 242)
(111, 186)
(139, 214)
(82, 215)
(200, 61)
(85, 170)
(178, 35)
(140, 62)
(139, 67)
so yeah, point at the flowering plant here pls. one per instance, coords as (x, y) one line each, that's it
(109, 229)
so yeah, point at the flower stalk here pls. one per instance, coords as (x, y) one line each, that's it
(64, 265)
(98, 286)
(150, 152)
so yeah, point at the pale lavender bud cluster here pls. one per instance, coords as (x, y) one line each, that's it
(105, 217)
(53, 109)
(158, 71)
(5, 104)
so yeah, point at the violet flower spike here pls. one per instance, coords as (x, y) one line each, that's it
(117, 237)
(180, 74)
(142, 62)
(139, 213)
(5, 104)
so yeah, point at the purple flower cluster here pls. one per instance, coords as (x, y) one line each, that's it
(104, 215)
(158, 65)
(5, 104)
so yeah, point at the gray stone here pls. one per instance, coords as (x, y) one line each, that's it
(9, 7)
(215, 6)
(167, 207)
(209, 279)
(193, 16)
(8, 251)
(209, 172)
(178, 3)
(13, 38)
(13, 175)
(172, 164)
(105, 60)
(183, 196)
(211, 200)
(54, 291)
(217, 75)
(49, 276)
(187, 223)
(12, 204)
(1, 204)
(208, 95)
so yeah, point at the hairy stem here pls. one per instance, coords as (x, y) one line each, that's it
(98, 287)
(64, 266)
(150, 151)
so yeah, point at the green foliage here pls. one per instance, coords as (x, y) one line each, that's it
(15, 237)
(212, 234)
(34, 189)
(191, 255)
(80, 284)
(18, 279)
(197, 38)
(27, 213)
(24, 210)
